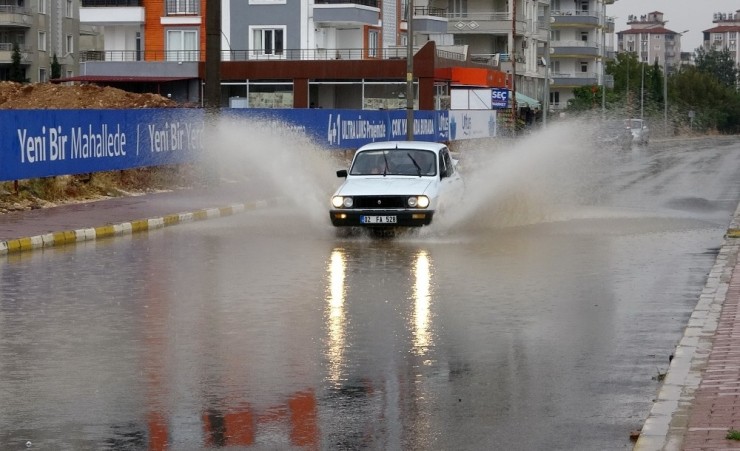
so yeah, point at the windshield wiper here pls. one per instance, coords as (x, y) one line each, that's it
(385, 169)
(418, 168)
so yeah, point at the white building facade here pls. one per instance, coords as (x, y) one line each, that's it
(581, 41)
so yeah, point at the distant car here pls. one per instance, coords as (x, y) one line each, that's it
(613, 133)
(396, 184)
(639, 130)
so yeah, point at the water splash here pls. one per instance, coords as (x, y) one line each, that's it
(508, 182)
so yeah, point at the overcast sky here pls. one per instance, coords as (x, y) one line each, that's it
(695, 16)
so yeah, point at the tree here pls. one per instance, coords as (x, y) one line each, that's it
(718, 63)
(16, 73)
(56, 68)
(716, 106)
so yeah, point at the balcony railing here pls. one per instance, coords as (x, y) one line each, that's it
(424, 11)
(370, 3)
(110, 3)
(488, 15)
(11, 9)
(254, 55)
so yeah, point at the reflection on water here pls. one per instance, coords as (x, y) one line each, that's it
(422, 298)
(335, 314)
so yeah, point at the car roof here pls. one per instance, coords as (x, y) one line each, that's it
(421, 145)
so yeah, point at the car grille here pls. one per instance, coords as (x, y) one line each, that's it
(380, 202)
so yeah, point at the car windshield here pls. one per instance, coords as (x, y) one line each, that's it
(395, 162)
(633, 123)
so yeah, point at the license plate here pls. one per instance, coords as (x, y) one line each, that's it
(378, 219)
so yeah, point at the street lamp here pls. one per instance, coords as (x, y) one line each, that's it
(665, 90)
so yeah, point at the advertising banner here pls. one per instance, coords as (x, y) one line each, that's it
(472, 124)
(42, 143)
(499, 98)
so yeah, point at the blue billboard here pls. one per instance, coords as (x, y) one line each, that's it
(499, 98)
(43, 143)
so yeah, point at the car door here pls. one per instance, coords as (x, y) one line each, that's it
(451, 183)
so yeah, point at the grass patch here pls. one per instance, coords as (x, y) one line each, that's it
(733, 434)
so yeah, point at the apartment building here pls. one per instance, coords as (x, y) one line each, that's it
(143, 45)
(651, 40)
(581, 41)
(41, 29)
(323, 30)
(724, 34)
(510, 35)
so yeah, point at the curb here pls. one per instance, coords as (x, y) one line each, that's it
(667, 423)
(126, 228)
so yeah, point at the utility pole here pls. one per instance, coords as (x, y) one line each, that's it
(603, 61)
(410, 71)
(212, 92)
(546, 100)
(512, 56)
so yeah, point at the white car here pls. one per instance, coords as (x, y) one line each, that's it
(396, 184)
(639, 130)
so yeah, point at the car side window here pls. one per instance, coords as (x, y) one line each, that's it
(446, 161)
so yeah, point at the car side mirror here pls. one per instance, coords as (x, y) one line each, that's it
(442, 173)
(342, 173)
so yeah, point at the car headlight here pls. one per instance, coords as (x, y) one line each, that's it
(341, 201)
(418, 201)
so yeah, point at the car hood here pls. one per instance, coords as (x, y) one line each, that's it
(384, 186)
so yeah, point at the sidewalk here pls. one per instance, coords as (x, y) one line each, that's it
(27, 230)
(699, 402)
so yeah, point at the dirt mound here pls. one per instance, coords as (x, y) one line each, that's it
(53, 96)
(50, 191)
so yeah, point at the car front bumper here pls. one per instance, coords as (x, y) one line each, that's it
(403, 218)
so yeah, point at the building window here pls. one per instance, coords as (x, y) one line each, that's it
(267, 41)
(43, 77)
(584, 66)
(70, 74)
(584, 36)
(42, 41)
(554, 98)
(372, 43)
(70, 44)
(70, 9)
(458, 8)
(182, 45)
(42, 6)
(266, 2)
(175, 7)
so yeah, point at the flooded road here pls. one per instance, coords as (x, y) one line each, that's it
(539, 316)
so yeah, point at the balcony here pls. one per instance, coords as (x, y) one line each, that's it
(6, 54)
(113, 14)
(15, 16)
(561, 80)
(485, 23)
(346, 13)
(249, 55)
(574, 18)
(574, 48)
(109, 3)
(428, 21)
